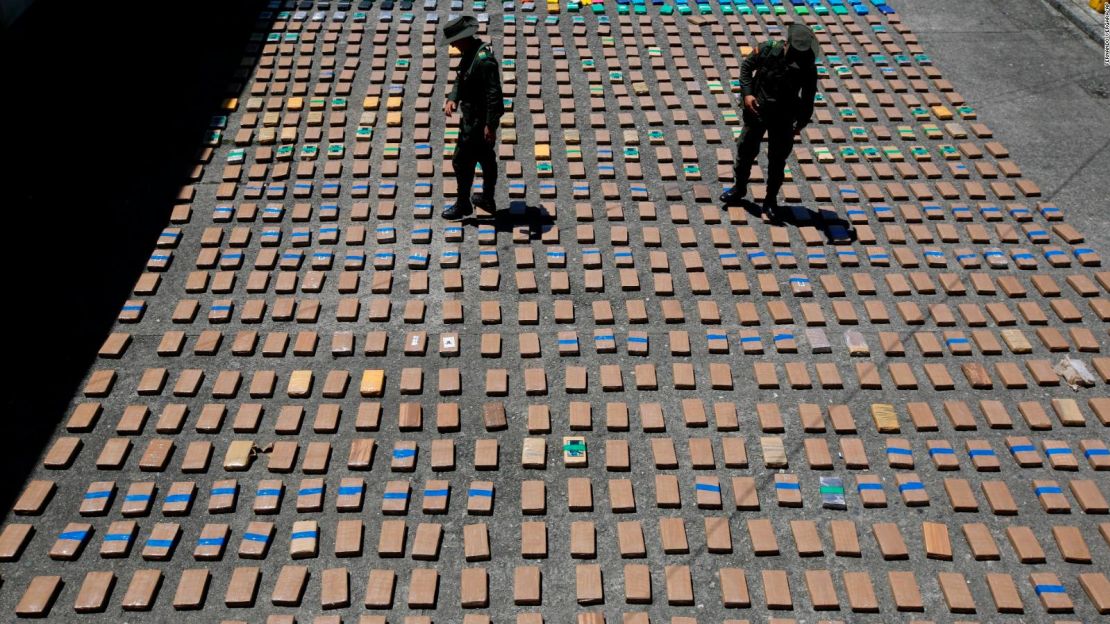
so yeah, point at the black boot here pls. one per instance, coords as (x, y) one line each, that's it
(485, 202)
(771, 207)
(733, 196)
(457, 211)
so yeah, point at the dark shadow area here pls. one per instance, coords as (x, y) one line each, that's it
(835, 229)
(517, 214)
(105, 108)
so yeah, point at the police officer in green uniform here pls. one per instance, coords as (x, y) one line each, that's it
(777, 83)
(477, 94)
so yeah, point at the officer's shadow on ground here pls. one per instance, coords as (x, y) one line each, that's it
(836, 230)
(517, 214)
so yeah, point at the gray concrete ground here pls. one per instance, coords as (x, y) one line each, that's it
(1084, 16)
(1040, 84)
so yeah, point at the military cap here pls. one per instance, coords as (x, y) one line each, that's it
(801, 38)
(462, 27)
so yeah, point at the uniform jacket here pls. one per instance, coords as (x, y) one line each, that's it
(785, 90)
(477, 90)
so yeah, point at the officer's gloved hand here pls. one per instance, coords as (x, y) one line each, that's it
(798, 127)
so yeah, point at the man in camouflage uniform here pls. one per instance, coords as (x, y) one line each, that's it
(778, 81)
(477, 94)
